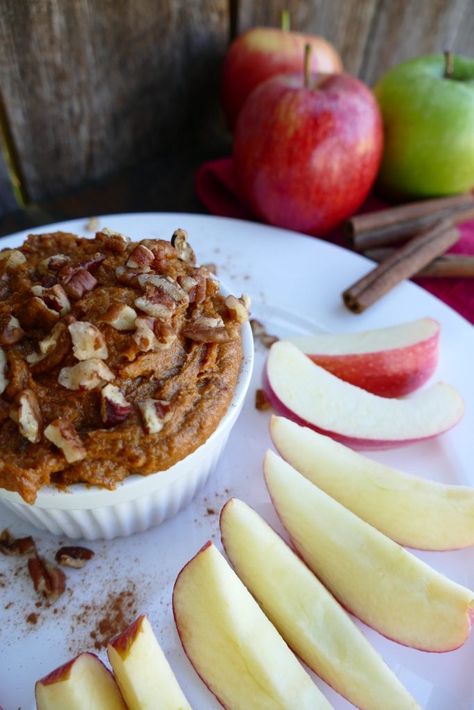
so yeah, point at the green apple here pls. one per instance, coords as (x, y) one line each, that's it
(427, 108)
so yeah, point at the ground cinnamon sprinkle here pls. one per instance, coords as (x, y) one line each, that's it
(32, 618)
(103, 621)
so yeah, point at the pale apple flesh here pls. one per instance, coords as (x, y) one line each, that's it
(412, 511)
(308, 617)
(143, 674)
(390, 362)
(263, 52)
(232, 645)
(385, 586)
(81, 683)
(309, 395)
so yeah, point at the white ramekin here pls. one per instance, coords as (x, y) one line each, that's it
(139, 502)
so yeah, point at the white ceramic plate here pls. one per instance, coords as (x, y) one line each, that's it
(295, 283)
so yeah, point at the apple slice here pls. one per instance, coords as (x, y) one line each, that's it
(410, 510)
(305, 392)
(384, 585)
(308, 617)
(143, 674)
(232, 645)
(390, 362)
(83, 682)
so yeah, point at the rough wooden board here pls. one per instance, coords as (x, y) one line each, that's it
(374, 35)
(165, 184)
(7, 198)
(402, 30)
(345, 23)
(94, 85)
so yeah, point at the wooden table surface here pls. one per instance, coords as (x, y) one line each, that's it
(109, 106)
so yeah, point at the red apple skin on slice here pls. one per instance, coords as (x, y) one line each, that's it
(142, 672)
(308, 617)
(304, 392)
(412, 511)
(374, 578)
(232, 645)
(390, 362)
(82, 682)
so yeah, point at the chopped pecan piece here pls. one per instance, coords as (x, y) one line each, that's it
(73, 556)
(195, 286)
(47, 344)
(162, 295)
(63, 434)
(126, 277)
(164, 284)
(155, 412)
(15, 546)
(140, 258)
(120, 316)
(238, 307)
(156, 303)
(34, 313)
(58, 345)
(210, 267)
(77, 281)
(27, 414)
(164, 332)
(55, 297)
(260, 333)
(261, 401)
(92, 224)
(12, 258)
(144, 335)
(112, 241)
(10, 330)
(87, 341)
(208, 330)
(188, 283)
(4, 287)
(93, 262)
(53, 263)
(3, 371)
(114, 408)
(184, 250)
(86, 375)
(48, 580)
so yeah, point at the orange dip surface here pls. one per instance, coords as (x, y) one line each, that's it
(116, 358)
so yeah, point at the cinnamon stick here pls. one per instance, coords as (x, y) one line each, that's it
(402, 264)
(447, 266)
(396, 224)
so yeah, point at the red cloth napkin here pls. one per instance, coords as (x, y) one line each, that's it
(216, 187)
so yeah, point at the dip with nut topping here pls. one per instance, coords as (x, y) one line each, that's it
(116, 358)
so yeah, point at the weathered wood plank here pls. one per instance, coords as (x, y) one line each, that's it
(95, 85)
(374, 35)
(407, 29)
(345, 23)
(8, 202)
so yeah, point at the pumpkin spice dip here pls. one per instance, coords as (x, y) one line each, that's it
(116, 358)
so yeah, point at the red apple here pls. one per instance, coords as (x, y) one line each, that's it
(375, 579)
(263, 52)
(83, 682)
(232, 645)
(311, 396)
(307, 152)
(143, 674)
(390, 362)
